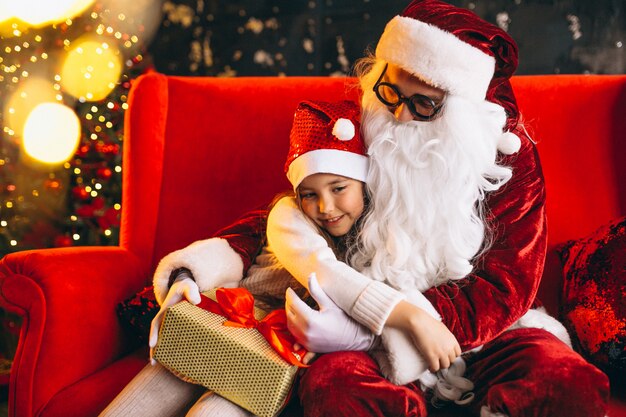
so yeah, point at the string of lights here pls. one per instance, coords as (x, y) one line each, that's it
(65, 71)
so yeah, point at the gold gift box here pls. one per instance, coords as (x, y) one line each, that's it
(236, 363)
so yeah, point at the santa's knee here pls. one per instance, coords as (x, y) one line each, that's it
(547, 378)
(350, 384)
(325, 385)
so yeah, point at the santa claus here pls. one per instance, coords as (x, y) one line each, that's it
(455, 227)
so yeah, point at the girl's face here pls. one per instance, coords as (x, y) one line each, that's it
(333, 202)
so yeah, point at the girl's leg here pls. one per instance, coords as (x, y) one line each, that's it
(155, 391)
(350, 384)
(212, 405)
(530, 373)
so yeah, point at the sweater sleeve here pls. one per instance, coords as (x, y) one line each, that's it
(300, 248)
(504, 283)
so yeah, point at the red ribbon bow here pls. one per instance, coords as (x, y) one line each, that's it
(237, 305)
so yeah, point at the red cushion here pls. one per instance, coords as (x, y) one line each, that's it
(136, 314)
(594, 306)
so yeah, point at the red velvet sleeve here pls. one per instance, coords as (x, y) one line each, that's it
(246, 236)
(506, 278)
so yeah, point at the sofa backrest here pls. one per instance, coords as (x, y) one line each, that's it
(579, 125)
(201, 151)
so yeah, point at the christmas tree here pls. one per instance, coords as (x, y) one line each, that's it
(65, 71)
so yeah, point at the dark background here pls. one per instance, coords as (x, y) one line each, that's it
(325, 37)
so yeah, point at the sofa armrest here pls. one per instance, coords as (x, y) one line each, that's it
(67, 299)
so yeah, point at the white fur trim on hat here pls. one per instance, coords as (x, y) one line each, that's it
(437, 57)
(328, 161)
(212, 262)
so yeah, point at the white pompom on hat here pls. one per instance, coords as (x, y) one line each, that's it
(343, 129)
(326, 138)
(509, 143)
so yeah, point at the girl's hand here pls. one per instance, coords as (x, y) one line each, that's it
(326, 330)
(432, 338)
(308, 356)
(184, 289)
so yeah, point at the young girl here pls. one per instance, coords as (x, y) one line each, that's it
(309, 232)
(312, 231)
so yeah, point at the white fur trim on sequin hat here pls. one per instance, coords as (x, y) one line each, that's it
(329, 161)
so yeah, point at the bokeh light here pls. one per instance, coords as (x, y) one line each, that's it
(51, 133)
(29, 94)
(137, 17)
(39, 13)
(5, 10)
(91, 69)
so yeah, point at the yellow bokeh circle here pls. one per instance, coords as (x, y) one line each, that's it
(17, 16)
(91, 69)
(51, 133)
(39, 13)
(30, 93)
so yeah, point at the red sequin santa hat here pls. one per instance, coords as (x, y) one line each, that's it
(326, 138)
(453, 49)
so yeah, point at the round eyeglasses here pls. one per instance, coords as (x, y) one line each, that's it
(421, 107)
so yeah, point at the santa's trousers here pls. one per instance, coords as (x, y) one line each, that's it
(521, 373)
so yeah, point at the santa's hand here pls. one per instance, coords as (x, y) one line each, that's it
(184, 289)
(326, 330)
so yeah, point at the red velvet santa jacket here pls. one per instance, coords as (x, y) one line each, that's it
(476, 309)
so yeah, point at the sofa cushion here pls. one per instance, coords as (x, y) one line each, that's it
(136, 313)
(594, 302)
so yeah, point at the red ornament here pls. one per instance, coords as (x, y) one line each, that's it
(106, 217)
(80, 192)
(108, 148)
(53, 184)
(62, 241)
(82, 150)
(104, 173)
(110, 218)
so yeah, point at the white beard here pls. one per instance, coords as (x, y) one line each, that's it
(427, 181)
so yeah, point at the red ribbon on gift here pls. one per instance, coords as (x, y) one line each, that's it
(237, 305)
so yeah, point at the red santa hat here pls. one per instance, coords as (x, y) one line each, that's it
(326, 138)
(453, 49)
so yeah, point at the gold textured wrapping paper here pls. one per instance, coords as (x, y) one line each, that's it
(236, 363)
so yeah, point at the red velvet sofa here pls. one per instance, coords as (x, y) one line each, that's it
(198, 152)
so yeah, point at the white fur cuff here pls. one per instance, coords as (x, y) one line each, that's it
(400, 361)
(212, 262)
(540, 319)
(419, 300)
(398, 358)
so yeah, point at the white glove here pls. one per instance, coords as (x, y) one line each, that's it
(326, 330)
(183, 289)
